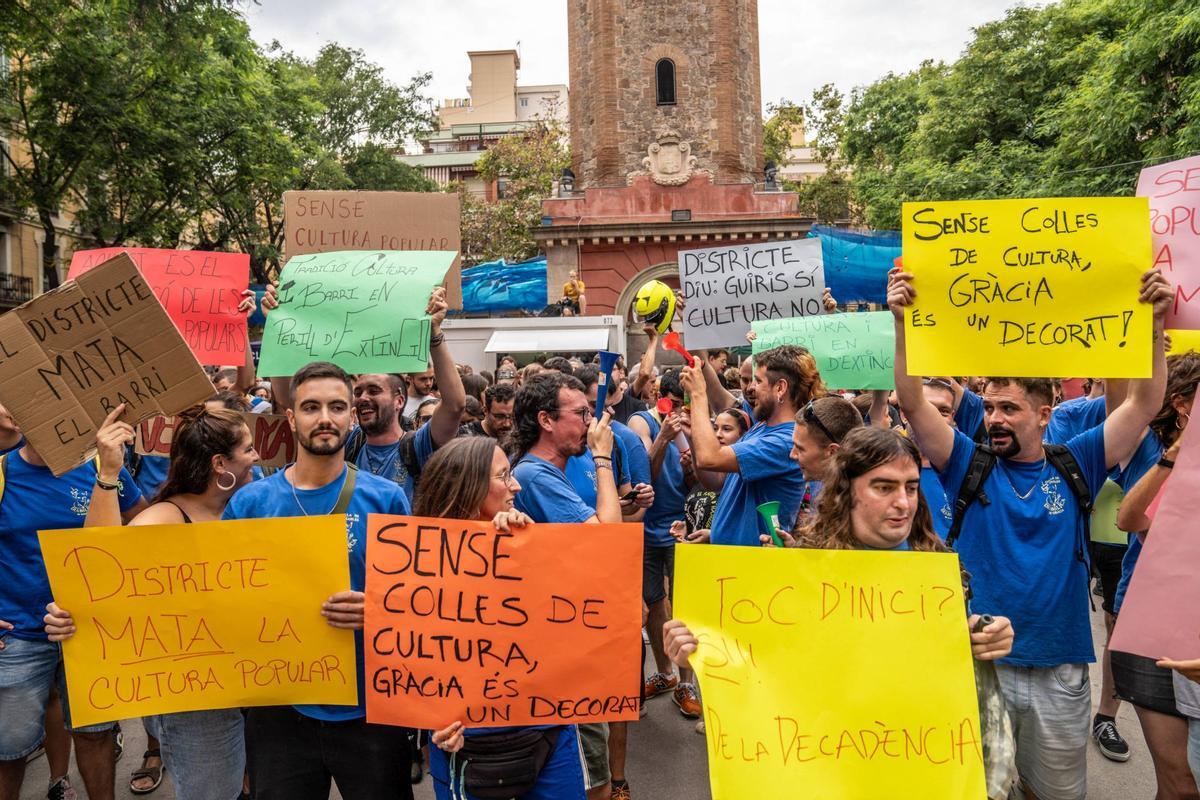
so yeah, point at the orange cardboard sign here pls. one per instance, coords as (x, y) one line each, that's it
(467, 623)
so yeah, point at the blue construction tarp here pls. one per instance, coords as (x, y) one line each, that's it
(857, 262)
(500, 286)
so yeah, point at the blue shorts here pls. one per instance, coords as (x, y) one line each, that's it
(28, 669)
(560, 779)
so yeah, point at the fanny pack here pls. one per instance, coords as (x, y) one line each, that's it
(501, 766)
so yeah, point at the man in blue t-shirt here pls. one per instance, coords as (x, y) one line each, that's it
(552, 422)
(295, 751)
(759, 465)
(32, 499)
(1025, 548)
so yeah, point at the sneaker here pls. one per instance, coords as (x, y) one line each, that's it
(689, 703)
(620, 791)
(61, 790)
(1112, 746)
(700, 727)
(659, 683)
(118, 742)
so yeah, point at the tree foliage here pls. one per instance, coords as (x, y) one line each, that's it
(529, 164)
(161, 123)
(1067, 100)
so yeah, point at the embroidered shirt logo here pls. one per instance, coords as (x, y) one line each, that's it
(351, 539)
(1055, 502)
(82, 501)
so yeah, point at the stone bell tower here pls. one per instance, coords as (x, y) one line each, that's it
(641, 69)
(666, 146)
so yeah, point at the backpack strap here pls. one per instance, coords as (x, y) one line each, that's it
(982, 462)
(343, 501)
(1063, 460)
(354, 445)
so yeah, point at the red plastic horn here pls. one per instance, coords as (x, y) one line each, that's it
(671, 342)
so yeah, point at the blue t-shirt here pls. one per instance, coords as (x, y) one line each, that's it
(941, 508)
(1073, 417)
(638, 464)
(384, 459)
(968, 417)
(766, 472)
(273, 497)
(34, 500)
(1148, 453)
(581, 472)
(670, 490)
(1022, 553)
(546, 495)
(151, 474)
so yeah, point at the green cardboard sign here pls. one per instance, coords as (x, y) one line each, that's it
(363, 310)
(853, 351)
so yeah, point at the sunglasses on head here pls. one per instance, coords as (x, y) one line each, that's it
(810, 416)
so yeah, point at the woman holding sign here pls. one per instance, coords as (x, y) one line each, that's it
(470, 479)
(212, 456)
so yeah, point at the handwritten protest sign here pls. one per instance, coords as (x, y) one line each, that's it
(327, 221)
(1182, 341)
(1045, 287)
(464, 622)
(727, 288)
(200, 616)
(200, 291)
(72, 355)
(848, 673)
(853, 351)
(364, 311)
(1174, 193)
(1165, 578)
(273, 437)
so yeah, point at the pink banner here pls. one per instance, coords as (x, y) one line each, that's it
(1154, 619)
(200, 291)
(1174, 192)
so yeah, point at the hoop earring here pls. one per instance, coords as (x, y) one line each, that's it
(230, 486)
(1186, 419)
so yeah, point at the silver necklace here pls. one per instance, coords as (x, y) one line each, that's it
(1031, 488)
(292, 483)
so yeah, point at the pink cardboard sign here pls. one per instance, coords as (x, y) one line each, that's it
(1174, 192)
(200, 291)
(1156, 619)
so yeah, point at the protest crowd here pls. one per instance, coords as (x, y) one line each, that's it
(1003, 471)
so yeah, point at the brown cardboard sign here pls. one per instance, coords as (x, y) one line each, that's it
(273, 437)
(73, 354)
(328, 221)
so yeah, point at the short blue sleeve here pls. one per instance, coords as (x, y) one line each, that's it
(423, 444)
(128, 491)
(1074, 417)
(766, 455)
(1088, 449)
(955, 470)
(638, 463)
(546, 495)
(969, 414)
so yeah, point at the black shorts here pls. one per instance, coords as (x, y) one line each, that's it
(1140, 681)
(1106, 564)
(658, 563)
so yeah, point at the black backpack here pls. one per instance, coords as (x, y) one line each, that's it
(983, 460)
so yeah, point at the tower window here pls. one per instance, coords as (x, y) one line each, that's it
(664, 81)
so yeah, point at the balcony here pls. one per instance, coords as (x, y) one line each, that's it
(15, 290)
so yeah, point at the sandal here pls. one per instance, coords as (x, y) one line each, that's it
(154, 773)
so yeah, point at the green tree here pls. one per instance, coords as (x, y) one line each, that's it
(528, 164)
(375, 168)
(783, 120)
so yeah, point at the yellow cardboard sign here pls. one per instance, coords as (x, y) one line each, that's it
(202, 616)
(1029, 288)
(847, 673)
(1182, 341)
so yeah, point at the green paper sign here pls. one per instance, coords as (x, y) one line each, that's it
(853, 351)
(1104, 516)
(363, 310)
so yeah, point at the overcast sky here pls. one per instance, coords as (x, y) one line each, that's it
(803, 44)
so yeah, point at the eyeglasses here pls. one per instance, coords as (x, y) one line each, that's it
(501, 417)
(584, 413)
(505, 477)
(810, 415)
